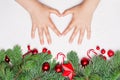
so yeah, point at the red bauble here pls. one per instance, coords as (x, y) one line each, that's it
(34, 51)
(97, 47)
(58, 68)
(103, 51)
(45, 66)
(103, 57)
(110, 53)
(7, 59)
(28, 47)
(44, 50)
(84, 61)
(49, 52)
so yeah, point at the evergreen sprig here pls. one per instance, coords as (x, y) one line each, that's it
(30, 67)
(73, 58)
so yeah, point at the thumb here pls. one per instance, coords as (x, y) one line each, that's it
(55, 12)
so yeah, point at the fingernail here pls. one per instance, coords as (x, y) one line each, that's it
(79, 43)
(32, 37)
(88, 38)
(70, 41)
(41, 42)
(49, 42)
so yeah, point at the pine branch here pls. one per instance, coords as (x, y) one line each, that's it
(18, 73)
(52, 75)
(2, 55)
(73, 58)
(9, 74)
(30, 67)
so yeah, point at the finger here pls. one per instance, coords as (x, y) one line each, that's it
(70, 26)
(81, 35)
(33, 30)
(40, 32)
(66, 12)
(88, 32)
(55, 12)
(47, 35)
(52, 25)
(73, 34)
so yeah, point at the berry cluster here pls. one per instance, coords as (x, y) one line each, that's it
(110, 52)
(45, 50)
(85, 61)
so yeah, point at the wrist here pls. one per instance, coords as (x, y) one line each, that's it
(34, 6)
(89, 5)
(29, 5)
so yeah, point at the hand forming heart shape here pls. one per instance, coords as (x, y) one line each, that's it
(81, 21)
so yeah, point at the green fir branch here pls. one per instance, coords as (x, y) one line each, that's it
(30, 67)
(73, 58)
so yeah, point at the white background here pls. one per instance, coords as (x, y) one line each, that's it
(15, 27)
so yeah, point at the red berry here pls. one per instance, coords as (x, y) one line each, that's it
(34, 51)
(7, 59)
(28, 47)
(84, 61)
(110, 53)
(49, 52)
(103, 51)
(45, 66)
(103, 57)
(44, 50)
(97, 47)
(58, 68)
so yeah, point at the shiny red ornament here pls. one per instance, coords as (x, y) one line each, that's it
(49, 52)
(28, 47)
(103, 51)
(58, 68)
(34, 51)
(7, 59)
(103, 57)
(110, 53)
(44, 50)
(46, 66)
(98, 47)
(84, 61)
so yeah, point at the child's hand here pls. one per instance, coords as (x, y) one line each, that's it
(81, 19)
(41, 21)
